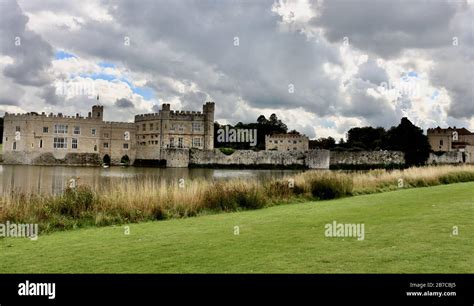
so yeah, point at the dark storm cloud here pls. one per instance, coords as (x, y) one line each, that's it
(186, 49)
(31, 54)
(193, 41)
(48, 94)
(124, 103)
(387, 27)
(372, 73)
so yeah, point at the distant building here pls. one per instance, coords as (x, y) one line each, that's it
(456, 144)
(450, 139)
(34, 138)
(286, 142)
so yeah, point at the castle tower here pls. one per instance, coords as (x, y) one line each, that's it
(165, 125)
(208, 111)
(98, 112)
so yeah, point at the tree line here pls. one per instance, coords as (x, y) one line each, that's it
(405, 137)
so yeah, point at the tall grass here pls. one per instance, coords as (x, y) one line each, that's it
(142, 199)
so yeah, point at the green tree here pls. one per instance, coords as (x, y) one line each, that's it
(410, 139)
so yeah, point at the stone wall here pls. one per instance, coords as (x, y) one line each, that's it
(317, 159)
(72, 159)
(453, 157)
(367, 157)
(176, 158)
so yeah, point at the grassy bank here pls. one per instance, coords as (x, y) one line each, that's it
(406, 231)
(143, 200)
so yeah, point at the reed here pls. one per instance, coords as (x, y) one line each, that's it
(143, 200)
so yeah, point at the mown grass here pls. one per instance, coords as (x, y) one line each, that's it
(406, 231)
(144, 200)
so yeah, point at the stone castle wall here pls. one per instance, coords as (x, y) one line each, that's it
(453, 157)
(316, 159)
(38, 158)
(176, 158)
(367, 157)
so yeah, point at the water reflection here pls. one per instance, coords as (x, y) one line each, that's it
(53, 179)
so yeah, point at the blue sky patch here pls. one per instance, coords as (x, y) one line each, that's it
(146, 92)
(61, 54)
(106, 65)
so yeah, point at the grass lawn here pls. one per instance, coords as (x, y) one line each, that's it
(407, 231)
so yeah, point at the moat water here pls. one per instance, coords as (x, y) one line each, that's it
(54, 179)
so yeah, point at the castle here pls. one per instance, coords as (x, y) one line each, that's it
(34, 138)
(457, 145)
(286, 142)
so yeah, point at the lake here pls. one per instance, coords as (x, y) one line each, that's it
(53, 179)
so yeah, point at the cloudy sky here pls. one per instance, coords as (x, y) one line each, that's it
(322, 66)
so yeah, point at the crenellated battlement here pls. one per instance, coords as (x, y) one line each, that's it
(172, 114)
(42, 116)
(36, 116)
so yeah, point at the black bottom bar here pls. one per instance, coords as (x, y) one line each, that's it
(428, 289)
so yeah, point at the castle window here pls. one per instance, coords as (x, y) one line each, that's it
(41, 143)
(45, 129)
(180, 142)
(77, 130)
(98, 114)
(196, 127)
(181, 128)
(106, 145)
(144, 127)
(171, 142)
(93, 131)
(60, 143)
(125, 146)
(197, 142)
(95, 147)
(17, 128)
(14, 145)
(60, 129)
(151, 126)
(74, 143)
(441, 142)
(171, 127)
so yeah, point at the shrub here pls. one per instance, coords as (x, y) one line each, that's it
(330, 186)
(226, 196)
(74, 202)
